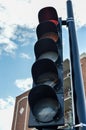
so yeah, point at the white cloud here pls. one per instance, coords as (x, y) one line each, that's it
(7, 45)
(26, 12)
(6, 113)
(6, 103)
(3, 104)
(25, 56)
(17, 12)
(24, 84)
(23, 35)
(79, 8)
(6, 117)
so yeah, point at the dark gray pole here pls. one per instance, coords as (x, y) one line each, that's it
(77, 82)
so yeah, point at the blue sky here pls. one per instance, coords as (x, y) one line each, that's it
(18, 22)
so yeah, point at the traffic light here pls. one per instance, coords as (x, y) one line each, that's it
(46, 98)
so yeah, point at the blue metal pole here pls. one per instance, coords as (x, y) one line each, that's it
(78, 87)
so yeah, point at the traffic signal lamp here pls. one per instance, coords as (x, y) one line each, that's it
(48, 14)
(47, 29)
(46, 98)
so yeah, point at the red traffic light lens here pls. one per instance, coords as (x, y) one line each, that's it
(48, 13)
(54, 21)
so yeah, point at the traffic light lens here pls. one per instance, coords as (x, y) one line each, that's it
(46, 109)
(50, 55)
(48, 79)
(47, 13)
(54, 21)
(44, 67)
(48, 29)
(44, 103)
(51, 35)
(46, 48)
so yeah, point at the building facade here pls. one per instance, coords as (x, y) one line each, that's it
(83, 67)
(21, 111)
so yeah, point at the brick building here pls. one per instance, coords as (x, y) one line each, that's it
(21, 111)
(83, 66)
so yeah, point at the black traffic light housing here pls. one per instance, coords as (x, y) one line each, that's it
(46, 98)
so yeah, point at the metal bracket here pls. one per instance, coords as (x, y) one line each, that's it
(80, 125)
(64, 22)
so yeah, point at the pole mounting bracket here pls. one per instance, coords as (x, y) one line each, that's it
(80, 125)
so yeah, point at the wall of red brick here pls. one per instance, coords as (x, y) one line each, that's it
(83, 66)
(21, 113)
